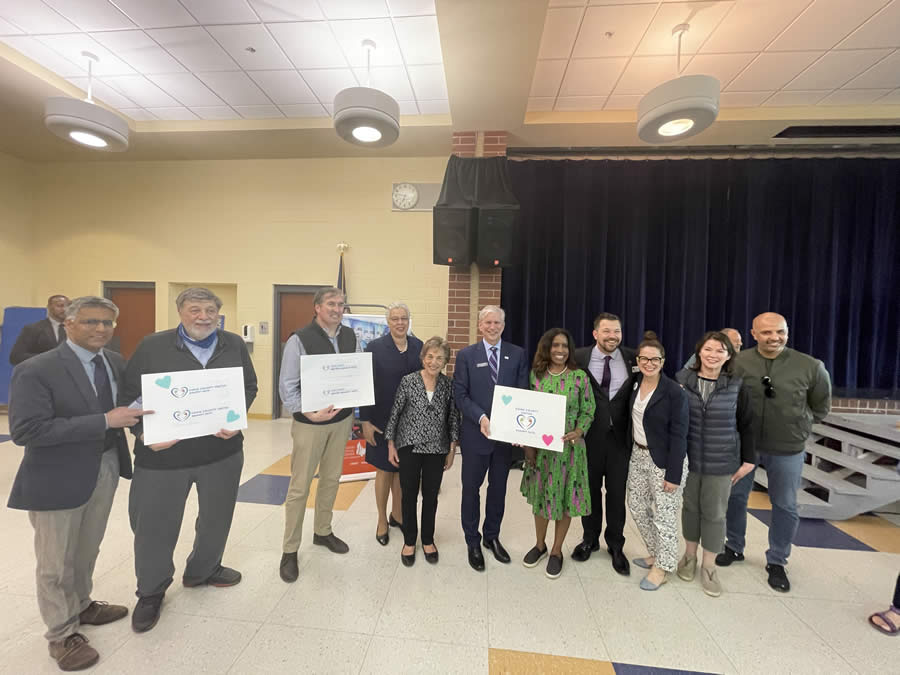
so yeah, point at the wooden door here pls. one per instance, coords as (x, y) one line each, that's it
(295, 310)
(137, 317)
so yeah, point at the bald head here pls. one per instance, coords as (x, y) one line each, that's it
(734, 336)
(770, 331)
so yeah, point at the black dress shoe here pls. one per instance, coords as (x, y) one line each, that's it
(619, 561)
(288, 568)
(778, 578)
(408, 560)
(331, 542)
(497, 549)
(583, 551)
(393, 522)
(146, 612)
(431, 557)
(383, 539)
(476, 560)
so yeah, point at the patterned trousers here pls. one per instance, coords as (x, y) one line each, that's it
(654, 510)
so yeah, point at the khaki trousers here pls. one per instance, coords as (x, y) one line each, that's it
(315, 446)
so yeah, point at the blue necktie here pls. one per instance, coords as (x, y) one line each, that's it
(495, 365)
(101, 384)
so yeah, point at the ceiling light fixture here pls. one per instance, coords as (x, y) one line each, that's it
(84, 122)
(366, 116)
(678, 108)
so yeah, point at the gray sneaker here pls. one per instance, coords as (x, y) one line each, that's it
(710, 580)
(534, 556)
(554, 566)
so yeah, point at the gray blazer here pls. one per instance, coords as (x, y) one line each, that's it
(55, 414)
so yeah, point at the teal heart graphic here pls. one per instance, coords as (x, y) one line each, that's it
(506, 399)
(164, 382)
(232, 416)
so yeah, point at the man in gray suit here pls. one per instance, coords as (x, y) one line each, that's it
(61, 409)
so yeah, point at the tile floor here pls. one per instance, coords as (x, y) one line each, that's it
(366, 613)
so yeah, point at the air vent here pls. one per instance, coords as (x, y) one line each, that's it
(842, 131)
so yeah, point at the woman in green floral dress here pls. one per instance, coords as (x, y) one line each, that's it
(556, 483)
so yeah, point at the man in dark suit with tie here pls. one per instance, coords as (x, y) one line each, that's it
(478, 368)
(44, 335)
(61, 409)
(610, 367)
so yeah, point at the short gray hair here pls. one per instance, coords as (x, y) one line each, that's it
(327, 292)
(197, 294)
(491, 309)
(396, 305)
(90, 301)
(436, 342)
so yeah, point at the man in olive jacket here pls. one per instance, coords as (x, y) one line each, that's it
(790, 391)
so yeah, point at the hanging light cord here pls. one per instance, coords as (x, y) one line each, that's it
(680, 30)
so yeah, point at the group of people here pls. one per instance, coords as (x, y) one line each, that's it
(668, 448)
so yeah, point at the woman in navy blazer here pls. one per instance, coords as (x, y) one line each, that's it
(658, 468)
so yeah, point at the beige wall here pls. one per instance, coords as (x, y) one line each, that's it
(251, 224)
(16, 237)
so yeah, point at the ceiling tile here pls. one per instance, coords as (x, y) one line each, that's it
(645, 72)
(890, 99)
(703, 18)
(139, 51)
(235, 88)
(6, 28)
(618, 102)
(173, 113)
(573, 103)
(235, 39)
(547, 78)
(43, 55)
(326, 83)
(220, 11)
(156, 14)
(221, 112)
(627, 25)
(138, 114)
(825, 23)
(256, 112)
(854, 96)
(540, 103)
(304, 110)
(329, 108)
(560, 30)
(835, 68)
(309, 45)
(350, 35)
(408, 107)
(392, 80)
(91, 14)
(591, 77)
(187, 89)
(882, 30)
(772, 71)
(71, 45)
(883, 75)
(194, 47)
(419, 39)
(354, 9)
(752, 24)
(428, 82)
(411, 7)
(434, 107)
(283, 86)
(287, 10)
(789, 98)
(102, 92)
(141, 90)
(35, 17)
(724, 67)
(742, 99)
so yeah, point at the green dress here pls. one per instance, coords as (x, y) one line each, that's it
(557, 486)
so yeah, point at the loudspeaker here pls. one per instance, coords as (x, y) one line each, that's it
(453, 228)
(497, 241)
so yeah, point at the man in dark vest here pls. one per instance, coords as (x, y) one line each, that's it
(319, 437)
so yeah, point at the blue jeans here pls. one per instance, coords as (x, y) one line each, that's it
(784, 482)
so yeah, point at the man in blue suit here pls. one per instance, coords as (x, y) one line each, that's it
(478, 368)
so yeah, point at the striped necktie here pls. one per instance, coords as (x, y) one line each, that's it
(495, 365)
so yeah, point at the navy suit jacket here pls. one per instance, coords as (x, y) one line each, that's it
(473, 389)
(55, 414)
(666, 419)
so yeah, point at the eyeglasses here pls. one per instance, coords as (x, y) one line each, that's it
(93, 323)
(644, 360)
(769, 390)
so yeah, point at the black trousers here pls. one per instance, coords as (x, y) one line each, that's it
(426, 470)
(607, 463)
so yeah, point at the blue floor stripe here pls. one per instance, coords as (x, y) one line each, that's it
(4, 438)
(629, 669)
(264, 489)
(817, 533)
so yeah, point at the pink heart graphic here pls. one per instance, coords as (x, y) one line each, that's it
(548, 439)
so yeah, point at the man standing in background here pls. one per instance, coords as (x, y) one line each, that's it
(44, 335)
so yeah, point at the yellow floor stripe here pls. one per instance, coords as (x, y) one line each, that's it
(503, 661)
(759, 500)
(873, 531)
(280, 468)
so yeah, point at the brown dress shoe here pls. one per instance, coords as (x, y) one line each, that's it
(98, 613)
(73, 653)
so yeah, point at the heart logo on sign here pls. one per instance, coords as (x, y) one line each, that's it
(179, 392)
(164, 382)
(525, 421)
(232, 416)
(547, 438)
(506, 399)
(181, 415)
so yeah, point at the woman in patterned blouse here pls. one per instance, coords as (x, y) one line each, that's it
(422, 434)
(556, 483)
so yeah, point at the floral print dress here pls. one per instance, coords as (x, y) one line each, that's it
(557, 486)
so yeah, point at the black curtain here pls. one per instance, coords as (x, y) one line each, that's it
(685, 246)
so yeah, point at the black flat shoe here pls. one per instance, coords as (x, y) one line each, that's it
(431, 557)
(383, 539)
(393, 522)
(476, 559)
(408, 560)
(497, 549)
